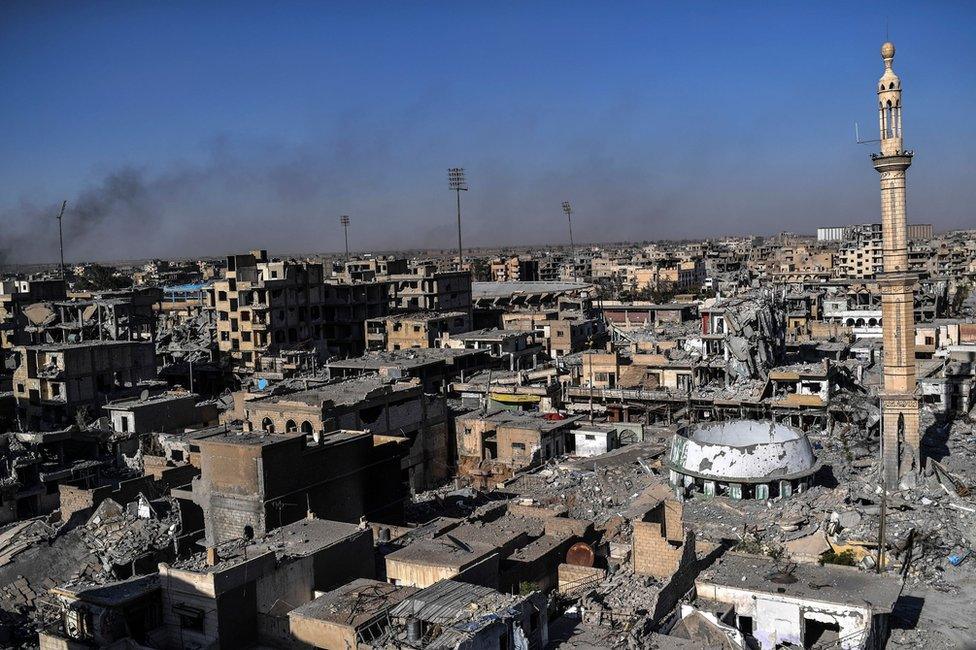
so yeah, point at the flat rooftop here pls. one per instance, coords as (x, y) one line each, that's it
(524, 419)
(505, 289)
(55, 347)
(354, 604)
(489, 335)
(342, 393)
(413, 358)
(297, 539)
(827, 583)
(442, 552)
(262, 438)
(422, 316)
(135, 402)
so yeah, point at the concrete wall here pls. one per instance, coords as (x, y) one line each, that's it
(344, 562)
(779, 619)
(322, 634)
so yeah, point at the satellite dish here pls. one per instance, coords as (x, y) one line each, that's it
(144, 395)
(262, 384)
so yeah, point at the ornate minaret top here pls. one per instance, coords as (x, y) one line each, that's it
(889, 104)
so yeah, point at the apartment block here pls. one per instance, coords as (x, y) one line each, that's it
(14, 296)
(414, 330)
(54, 381)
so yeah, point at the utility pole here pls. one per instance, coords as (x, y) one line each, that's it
(64, 204)
(458, 183)
(884, 491)
(568, 209)
(344, 220)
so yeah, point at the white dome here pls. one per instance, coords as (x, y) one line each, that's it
(746, 451)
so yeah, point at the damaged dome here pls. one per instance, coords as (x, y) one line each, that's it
(721, 457)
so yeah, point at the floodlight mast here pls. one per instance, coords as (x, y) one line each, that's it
(64, 204)
(568, 209)
(458, 183)
(344, 220)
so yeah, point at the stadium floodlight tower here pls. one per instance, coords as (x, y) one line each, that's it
(568, 209)
(344, 220)
(458, 183)
(64, 204)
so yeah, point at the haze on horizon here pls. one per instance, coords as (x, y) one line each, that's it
(183, 129)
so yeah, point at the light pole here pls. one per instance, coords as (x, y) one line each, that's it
(568, 209)
(344, 220)
(64, 204)
(458, 183)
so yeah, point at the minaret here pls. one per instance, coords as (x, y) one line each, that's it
(899, 405)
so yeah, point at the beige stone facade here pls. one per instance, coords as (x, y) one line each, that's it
(899, 404)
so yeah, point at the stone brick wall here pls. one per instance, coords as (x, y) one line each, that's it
(572, 577)
(653, 554)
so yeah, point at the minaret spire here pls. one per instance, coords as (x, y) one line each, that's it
(899, 405)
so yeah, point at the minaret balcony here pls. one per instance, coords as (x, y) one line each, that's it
(896, 162)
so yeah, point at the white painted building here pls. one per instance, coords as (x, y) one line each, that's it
(830, 606)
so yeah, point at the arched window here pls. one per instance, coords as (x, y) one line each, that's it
(290, 426)
(307, 427)
(267, 425)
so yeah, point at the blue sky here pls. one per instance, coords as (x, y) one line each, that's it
(204, 128)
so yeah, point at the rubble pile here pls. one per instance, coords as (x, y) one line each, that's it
(119, 536)
(37, 556)
(621, 599)
(756, 332)
(189, 339)
(447, 501)
(597, 495)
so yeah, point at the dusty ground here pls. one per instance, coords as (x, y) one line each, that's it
(940, 619)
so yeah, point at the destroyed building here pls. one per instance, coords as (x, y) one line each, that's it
(17, 294)
(514, 349)
(452, 614)
(496, 445)
(127, 315)
(802, 604)
(56, 381)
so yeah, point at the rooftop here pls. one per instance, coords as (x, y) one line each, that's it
(412, 358)
(342, 393)
(827, 583)
(523, 419)
(452, 604)
(262, 438)
(125, 404)
(354, 604)
(297, 539)
(423, 316)
(489, 335)
(506, 289)
(442, 551)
